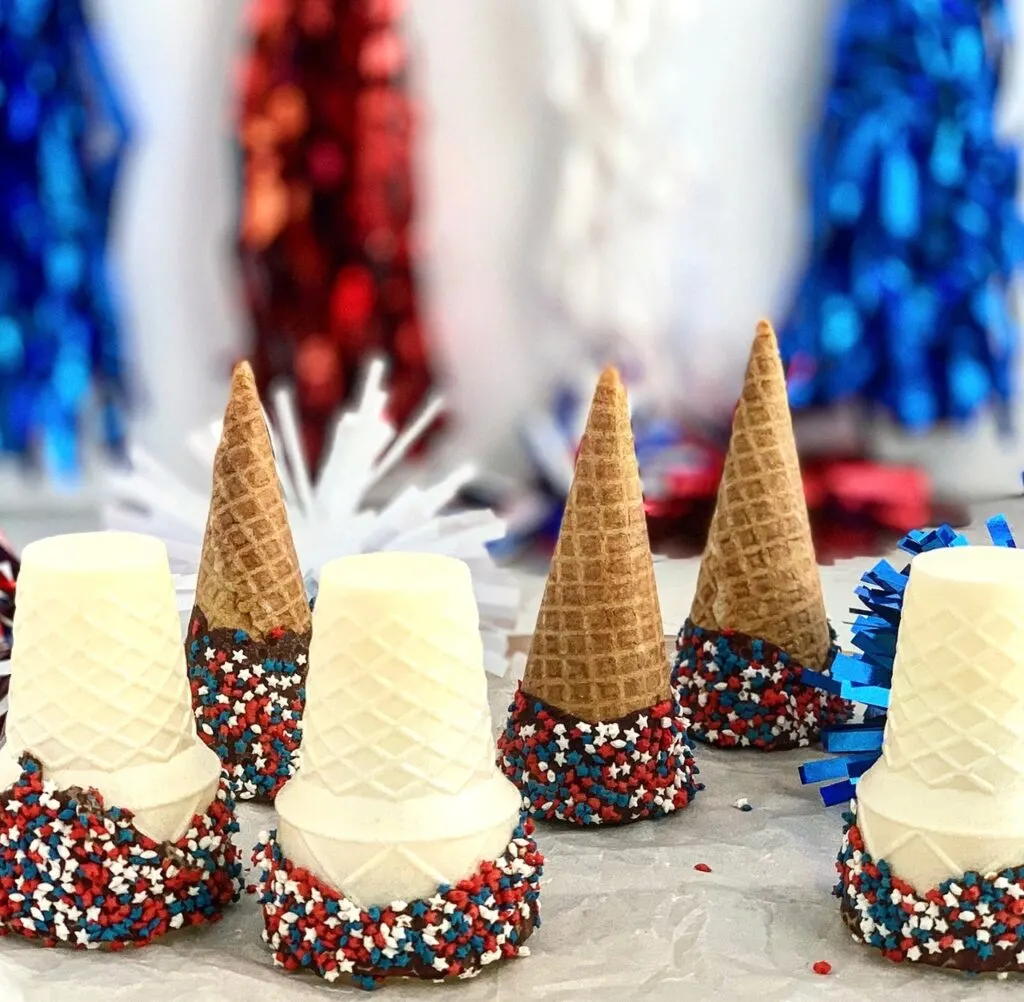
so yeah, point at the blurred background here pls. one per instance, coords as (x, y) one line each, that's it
(499, 199)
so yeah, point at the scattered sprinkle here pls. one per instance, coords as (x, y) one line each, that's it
(76, 872)
(743, 692)
(453, 934)
(612, 772)
(821, 967)
(248, 697)
(703, 867)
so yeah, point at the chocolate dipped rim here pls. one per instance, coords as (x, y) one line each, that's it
(248, 696)
(78, 873)
(745, 692)
(968, 923)
(612, 772)
(454, 933)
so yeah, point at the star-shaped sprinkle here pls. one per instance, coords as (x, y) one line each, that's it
(123, 868)
(708, 667)
(309, 925)
(589, 773)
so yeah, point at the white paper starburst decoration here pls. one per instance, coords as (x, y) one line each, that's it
(333, 516)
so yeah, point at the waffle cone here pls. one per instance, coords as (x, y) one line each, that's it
(598, 650)
(759, 574)
(249, 575)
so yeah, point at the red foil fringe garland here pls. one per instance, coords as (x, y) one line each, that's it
(325, 230)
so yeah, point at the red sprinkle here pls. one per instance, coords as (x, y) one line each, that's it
(106, 872)
(300, 929)
(703, 867)
(788, 713)
(822, 967)
(654, 772)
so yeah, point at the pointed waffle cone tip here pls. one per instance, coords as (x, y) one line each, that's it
(759, 573)
(249, 576)
(598, 648)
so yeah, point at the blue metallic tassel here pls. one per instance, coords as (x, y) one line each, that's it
(62, 135)
(915, 232)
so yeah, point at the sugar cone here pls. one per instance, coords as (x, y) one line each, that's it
(598, 650)
(249, 575)
(759, 574)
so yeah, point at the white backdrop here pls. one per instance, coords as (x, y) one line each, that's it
(750, 75)
(175, 211)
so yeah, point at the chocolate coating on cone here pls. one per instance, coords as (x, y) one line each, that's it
(598, 650)
(759, 574)
(249, 577)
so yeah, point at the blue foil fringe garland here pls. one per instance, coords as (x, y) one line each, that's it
(62, 135)
(915, 227)
(866, 677)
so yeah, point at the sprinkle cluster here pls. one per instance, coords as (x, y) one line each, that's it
(76, 872)
(345, 65)
(971, 923)
(248, 697)
(743, 692)
(453, 934)
(612, 772)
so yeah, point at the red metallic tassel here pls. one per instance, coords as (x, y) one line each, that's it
(326, 132)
